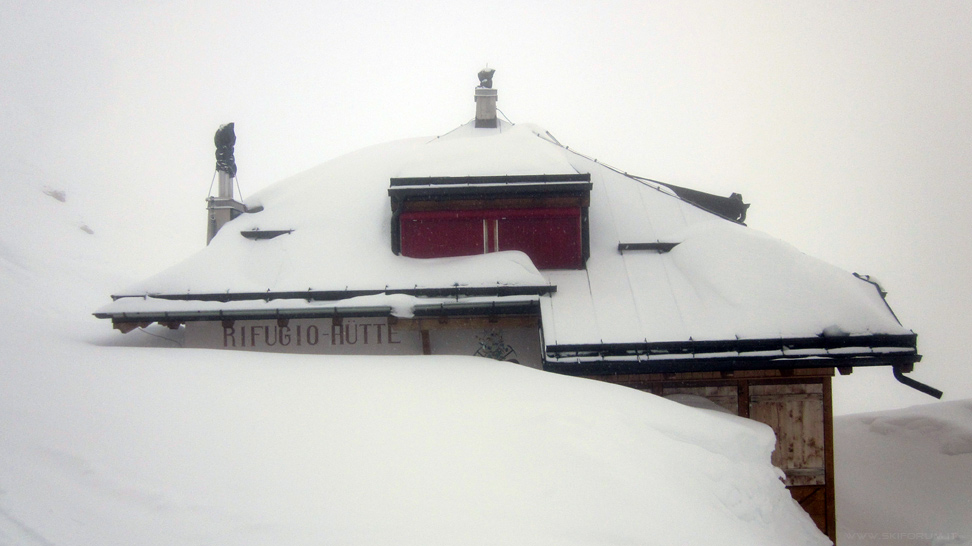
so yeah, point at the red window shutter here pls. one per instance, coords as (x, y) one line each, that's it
(551, 237)
(441, 234)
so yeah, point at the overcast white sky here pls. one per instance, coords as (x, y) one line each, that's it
(847, 125)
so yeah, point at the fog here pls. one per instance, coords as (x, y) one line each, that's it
(847, 125)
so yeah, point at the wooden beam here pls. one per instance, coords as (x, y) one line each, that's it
(831, 494)
(125, 327)
(742, 395)
(502, 203)
(467, 323)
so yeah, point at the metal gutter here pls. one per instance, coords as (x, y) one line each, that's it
(691, 347)
(337, 295)
(727, 364)
(421, 310)
(733, 354)
(244, 314)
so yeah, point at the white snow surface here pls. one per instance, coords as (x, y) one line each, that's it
(108, 439)
(341, 216)
(722, 281)
(904, 477)
(468, 151)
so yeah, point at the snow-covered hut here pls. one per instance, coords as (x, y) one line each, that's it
(496, 240)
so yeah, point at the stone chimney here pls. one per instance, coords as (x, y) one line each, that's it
(486, 100)
(224, 207)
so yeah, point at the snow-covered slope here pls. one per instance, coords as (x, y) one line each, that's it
(341, 220)
(905, 476)
(105, 444)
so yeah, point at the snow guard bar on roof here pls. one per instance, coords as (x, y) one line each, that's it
(451, 187)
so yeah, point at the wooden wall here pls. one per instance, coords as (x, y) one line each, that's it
(796, 404)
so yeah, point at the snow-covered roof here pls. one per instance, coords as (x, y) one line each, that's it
(341, 222)
(720, 280)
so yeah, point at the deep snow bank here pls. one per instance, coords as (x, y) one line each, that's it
(125, 445)
(905, 476)
(103, 444)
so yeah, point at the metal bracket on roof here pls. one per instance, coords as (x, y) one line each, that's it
(657, 246)
(881, 291)
(265, 234)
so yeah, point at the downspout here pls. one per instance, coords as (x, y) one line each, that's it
(899, 370)
(918, 386)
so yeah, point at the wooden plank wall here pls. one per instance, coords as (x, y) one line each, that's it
(796, 404)
(795, 412)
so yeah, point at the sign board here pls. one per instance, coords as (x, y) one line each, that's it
(348, 336)
(367, 336)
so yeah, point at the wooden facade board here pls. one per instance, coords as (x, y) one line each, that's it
(505, 203)
(514, 339)
(786, 388)
(795, 412)
(742, 387)
(813, 500)
(467, 323)
(830, 493)
(725, 396)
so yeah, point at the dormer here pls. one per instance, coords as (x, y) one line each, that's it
(488, 187)
(544, 216)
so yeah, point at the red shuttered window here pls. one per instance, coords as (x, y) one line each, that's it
(442, 233)
(551, 237)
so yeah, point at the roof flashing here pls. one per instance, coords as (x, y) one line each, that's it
(659, 247)
(258, 234)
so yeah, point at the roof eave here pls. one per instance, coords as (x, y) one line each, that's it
(734, 354)
(609, 366)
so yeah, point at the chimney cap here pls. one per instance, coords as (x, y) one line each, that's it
(225, 139)
(486, 77)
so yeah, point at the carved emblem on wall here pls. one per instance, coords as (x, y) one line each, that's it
(491, 345)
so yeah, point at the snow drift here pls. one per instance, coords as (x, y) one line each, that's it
(905, 476)
(104, 444)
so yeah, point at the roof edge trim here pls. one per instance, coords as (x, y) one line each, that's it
(692, 347)
(714, 364)
(485, 309)
(336, 295)
(493, 179)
